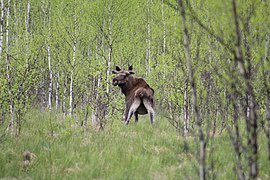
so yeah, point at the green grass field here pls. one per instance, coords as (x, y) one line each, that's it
(136, 151)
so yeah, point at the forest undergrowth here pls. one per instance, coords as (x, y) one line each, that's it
(64, 150)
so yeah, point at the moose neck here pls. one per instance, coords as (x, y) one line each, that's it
(129, 85)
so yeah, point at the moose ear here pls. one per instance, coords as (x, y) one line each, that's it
(130, 68)
(117, 68)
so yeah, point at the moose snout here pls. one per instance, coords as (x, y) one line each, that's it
(115, 82)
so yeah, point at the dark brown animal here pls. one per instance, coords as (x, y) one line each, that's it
(28, 158)
(139, 95)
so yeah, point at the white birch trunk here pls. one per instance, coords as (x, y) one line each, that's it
(93, 104)
(95, 117)
(71, 83)
(1, 27)
(95, 90)
(16, 9)
(11, 103)
(46, 12)
(109, 55)
(65, 96)
(84, 109)
(85, 117)
(43, 95)
(85, 96)
(56, 92)
(73, 66)
(148, 39)
(185, 111)
(27, 31)
(164, 42)
(109, 58)
(51, 78)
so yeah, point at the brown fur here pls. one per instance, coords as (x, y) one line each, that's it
(28, 158)
(139, 95)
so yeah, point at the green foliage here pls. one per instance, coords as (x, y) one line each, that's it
(120, 152)
(131, 29)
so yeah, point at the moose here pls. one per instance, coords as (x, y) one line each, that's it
(139, 95)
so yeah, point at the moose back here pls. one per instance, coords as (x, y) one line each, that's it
(139, 95)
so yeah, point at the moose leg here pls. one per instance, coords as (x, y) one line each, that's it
(150, 110)
(126, 114)
(134, 106)
(136, 116)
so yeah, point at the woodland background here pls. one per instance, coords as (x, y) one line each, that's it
(208, 61)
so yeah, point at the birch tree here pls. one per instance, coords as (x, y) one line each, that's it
(49, 60)
(2, 27)
(148, 38)
(8, 75)
(251, 123)
(27, 24)
(202, 167)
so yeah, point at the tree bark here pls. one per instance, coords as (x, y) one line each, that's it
(49, 55)
(2, 27)
(73, 64)
(202, 169)
(51, 78)
(110, 49)
(267, 102)
(64, 106)
(97, 102)
(252, 121)
(164, 41)
(185, 110)
(71, 80)
(57, 91)
(236, 140)
(27, 17)
(85, 117)
(148, 38)
(8, 75)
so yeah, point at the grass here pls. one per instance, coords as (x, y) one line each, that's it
(136, 151)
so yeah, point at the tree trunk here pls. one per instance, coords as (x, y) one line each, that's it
(2, 27)
(85, 117)
(51, 78)
(57, 91)
(8, 75)
(27, 32)
(236, 140)
(64, 106)
(252, 123)
(71, 84)
(164, 41)
(110, 51)
(148, 38)
(97, 102)
(49, 57)
(73, 65)
(267, 102)
(202, 169)
(215, 118)
(185, 110)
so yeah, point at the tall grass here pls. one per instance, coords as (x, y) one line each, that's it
(137, 151)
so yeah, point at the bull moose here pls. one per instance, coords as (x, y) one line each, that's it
(139, 95)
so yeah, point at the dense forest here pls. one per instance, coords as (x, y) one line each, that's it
(207, 60)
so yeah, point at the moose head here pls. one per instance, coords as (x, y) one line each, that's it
(121, 77)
